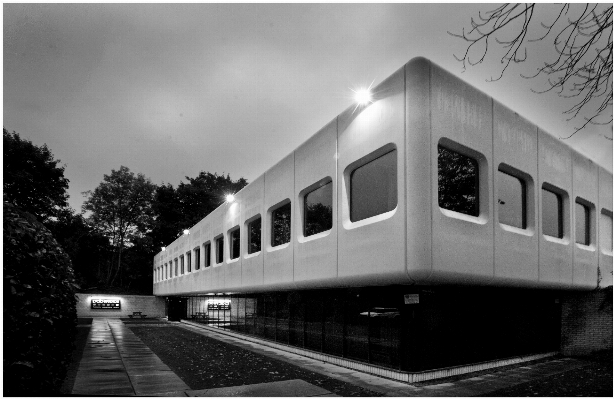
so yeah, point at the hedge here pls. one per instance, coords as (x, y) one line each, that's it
(39, 307)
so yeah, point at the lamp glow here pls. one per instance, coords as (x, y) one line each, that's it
(230, 198)
(363, 96)
(163, 248)
(186, 232)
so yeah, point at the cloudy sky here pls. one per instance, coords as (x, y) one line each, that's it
(172, 90)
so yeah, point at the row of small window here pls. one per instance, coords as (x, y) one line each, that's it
(373, 191)
(458, 182)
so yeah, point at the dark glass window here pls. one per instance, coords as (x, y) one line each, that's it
(196, 258)
(373, 187)
(458, 182)
(254, 240)
(512, 201)
(176, 267)
(235, 244)
(166, 270)
(319, 210)
(606, 230)
(583, 224)
(207, 254)
(281, 225)
(219, 250)
(181, 260)
(188, 256)
(552, 213)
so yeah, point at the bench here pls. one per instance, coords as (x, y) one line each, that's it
(139, 314)
(200, 315)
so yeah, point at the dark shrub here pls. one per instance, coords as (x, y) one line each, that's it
(39, 307)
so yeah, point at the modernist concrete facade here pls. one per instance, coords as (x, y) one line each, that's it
(530, 219)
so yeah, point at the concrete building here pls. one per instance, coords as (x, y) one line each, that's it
(431, 227)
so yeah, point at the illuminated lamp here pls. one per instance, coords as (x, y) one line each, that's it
(186, 232)
(230, 198)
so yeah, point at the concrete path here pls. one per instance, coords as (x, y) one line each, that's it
(115, 362)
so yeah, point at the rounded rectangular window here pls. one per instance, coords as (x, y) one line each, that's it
(207, 254)
(188, 256)
(176, 267)
(373, 187)
(181, 260)
(281, 223)
(583, 221)
(254, 237)
(196, 258)
(605, 230)
(219, 250)
(511, 199)
(552, 214)
(318, 210)
(458, 182)
(235, 243)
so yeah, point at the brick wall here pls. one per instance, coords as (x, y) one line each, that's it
(586, 322)
(150, 305)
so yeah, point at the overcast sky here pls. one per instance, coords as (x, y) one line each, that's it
(172, 90)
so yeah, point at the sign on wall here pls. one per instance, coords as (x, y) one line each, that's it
(411, 299)
(113, 304)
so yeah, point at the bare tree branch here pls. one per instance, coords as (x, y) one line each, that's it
(582, 67)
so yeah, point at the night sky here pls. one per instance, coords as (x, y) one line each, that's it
(172, 90)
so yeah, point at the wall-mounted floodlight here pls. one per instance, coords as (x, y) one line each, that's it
(363, 96)
(230, 198)
(163, 248)
(186, 232)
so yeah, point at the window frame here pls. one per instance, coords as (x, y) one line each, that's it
(271, 213)
(207, 254)
(362, 162)
(248, 235)
(196, 251)
(231, 252)
(481, 169)
(589, 210)
(562, 197)
(303, 196)
(188, 257)
(526, 186)
(219, 254)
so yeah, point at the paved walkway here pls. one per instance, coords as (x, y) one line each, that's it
(116, 363)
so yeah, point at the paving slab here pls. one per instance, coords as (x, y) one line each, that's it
(288, 388)
(116, 363)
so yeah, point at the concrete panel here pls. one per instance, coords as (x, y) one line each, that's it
(252, 204)
(278, 189)
(585, 186)
(418, 168)
(232, 220)
(555, 170)
(372, 251)
(515, 153)
(315, 260)
(463, 250)
(605, 228)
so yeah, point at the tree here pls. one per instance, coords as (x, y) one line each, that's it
(39, 307)
(581, 66)
(121, 209)
(182, 208)
(32, 178)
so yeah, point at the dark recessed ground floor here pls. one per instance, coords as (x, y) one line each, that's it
(400, 327)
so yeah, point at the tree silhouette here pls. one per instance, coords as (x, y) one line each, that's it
(582, 38)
